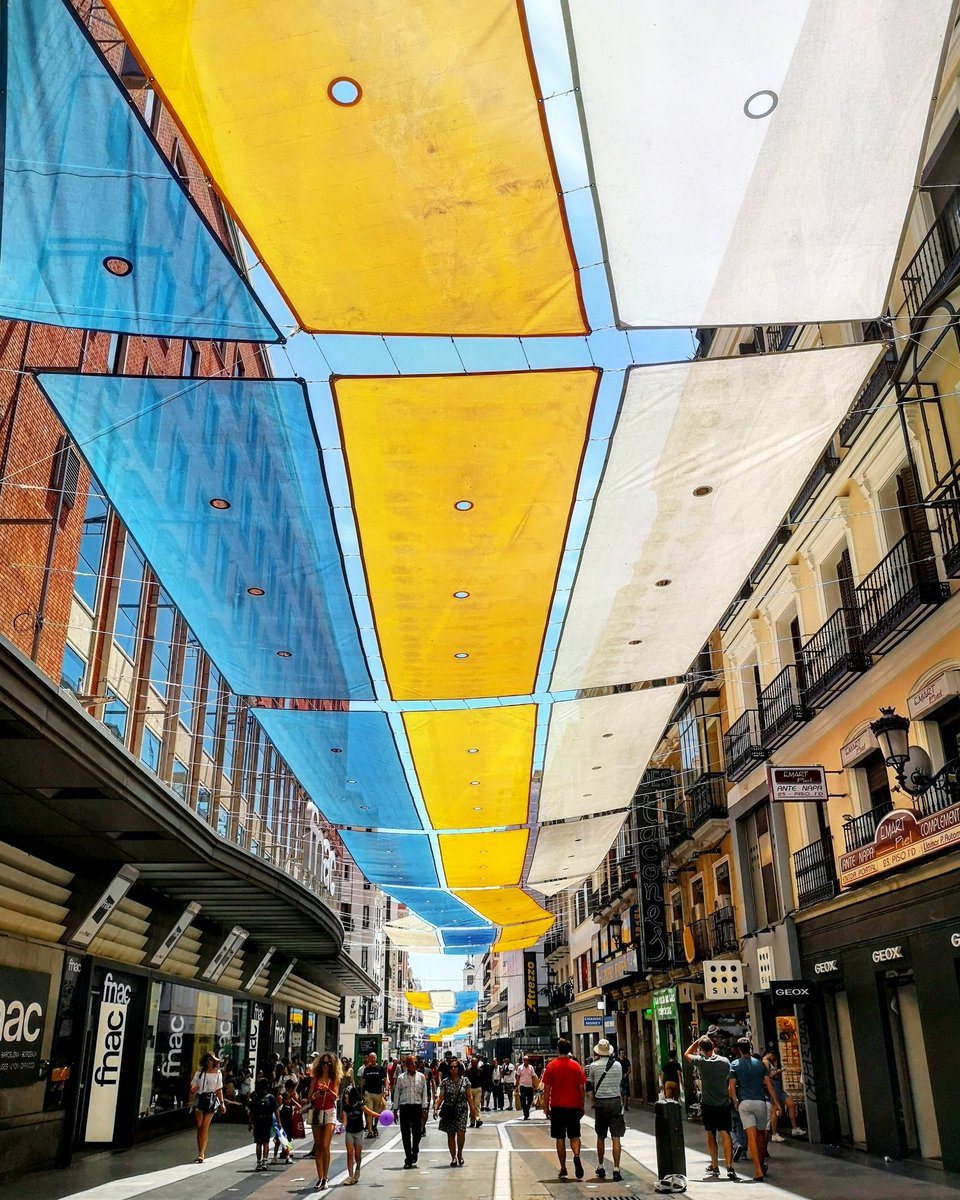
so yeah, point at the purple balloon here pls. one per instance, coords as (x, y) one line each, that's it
(386, 1117)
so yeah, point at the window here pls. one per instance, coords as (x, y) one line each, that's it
(130, 593)
(239, 370)
(223, 821)
(366, 885)
(117, 353)
(700, 738)
(203, 802)
(115, 716)
(180, 164)
(191, 359)
(366, 916)
(581, 905)
(150, 107)
(241, 836)
(697, 897)
(162, 642)
(721, 884)
(72, 671)
(761, 850)
(150, 750)
(582, 972)
(365, 959)
(210, 714)
(875, 782)
(188, 688)
(180, 778)
(91, 547)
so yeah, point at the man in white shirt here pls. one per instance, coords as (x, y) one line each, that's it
(410, 1100)
(604, 1075)
(508, 1077)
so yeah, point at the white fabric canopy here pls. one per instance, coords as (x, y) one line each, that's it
(716, 214)
(750, 429)
(572, 850)
(597, 749)
(551, 887)
(412, 933)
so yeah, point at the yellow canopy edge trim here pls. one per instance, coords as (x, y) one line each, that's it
(390, 166)
(461, 596)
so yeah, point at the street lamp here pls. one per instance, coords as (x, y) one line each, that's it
(615, 925)
(891, 731)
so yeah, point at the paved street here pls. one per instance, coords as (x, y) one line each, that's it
(506, 1159)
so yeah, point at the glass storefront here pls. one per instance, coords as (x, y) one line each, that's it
(186, 1023)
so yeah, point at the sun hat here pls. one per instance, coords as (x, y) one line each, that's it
(603, 1048)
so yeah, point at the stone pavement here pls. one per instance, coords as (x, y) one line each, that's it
(508, 1159)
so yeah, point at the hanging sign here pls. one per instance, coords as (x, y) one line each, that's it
(531, 1005)
(797, 784)
(104, 1081)
(899, 838)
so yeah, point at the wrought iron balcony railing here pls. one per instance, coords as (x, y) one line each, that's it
(678, 956)
(945, 504)
(556, 938)
(782, 707)
(943, 792)
(815, 873)
(936, 260)
(868, 397)
(833, 657)
(859, 831)
(723, 930)
(700, 932)
(676, 828)
(743, 746)
(708, 800)
(893, 598)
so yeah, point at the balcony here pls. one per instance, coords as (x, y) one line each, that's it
(868, 398)
(678, 956)
(935, 262)
(708, 800)
(945, 504)
(743, 746)
(782, 708)
(833, 657)
(815, 873)
(944, 793)
(561, 996)
(896, 595)
(859, 831)
(556, 939)
(700, 932)
(723, 931)
(676, 828)
(826, 466)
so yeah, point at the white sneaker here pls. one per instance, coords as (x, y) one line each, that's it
(798, 1132)
(777, 1138)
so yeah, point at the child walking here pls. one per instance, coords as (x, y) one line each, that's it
(353, 1125)
(263, 1108)
(289, 1104)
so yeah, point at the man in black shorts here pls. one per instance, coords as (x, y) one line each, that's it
(714, 1072)
(563, 1092)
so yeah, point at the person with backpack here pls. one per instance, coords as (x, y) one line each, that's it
(353, 1111)
(604, 1077)
(263, 1109)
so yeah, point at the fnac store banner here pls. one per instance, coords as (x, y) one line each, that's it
(23, 1007)
(116, 1020)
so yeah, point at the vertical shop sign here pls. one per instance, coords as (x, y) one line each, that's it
(116, 992)
(67, 1033)
(531, 1005)
(258, 1020)
(23, 1007)
(651, 934)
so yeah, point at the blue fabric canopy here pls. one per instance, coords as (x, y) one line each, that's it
(220, 483)
(348, 764)
(438, 907)
(97, 230)
(460, 941)
(390, 861)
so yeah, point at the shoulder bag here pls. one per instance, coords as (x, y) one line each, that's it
(448, 1106)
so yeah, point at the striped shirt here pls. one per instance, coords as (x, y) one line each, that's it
(411, 1089)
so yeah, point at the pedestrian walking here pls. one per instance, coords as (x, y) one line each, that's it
(486, 1084)
(453, 1105)
(289, 1107)
(497, 1086)
(411, 1099)
(474, 1073)
(206, 1088)
(527, 1083)
(323, 1096)
(605, 1077)
(563, 1093)
(263, 1110)
(354, 1112)
(748, 1089)
(374, 1093)
(715, 1109)
(773, 1064)
(508, 1078)
(624, 1079)
(670, 1075)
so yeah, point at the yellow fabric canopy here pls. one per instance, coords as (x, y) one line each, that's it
(519, 937)
(389, 164)
(419, 1000)
(463, 1022)
(474, 764)
(507, 447)
(484, 860)
(505, 906)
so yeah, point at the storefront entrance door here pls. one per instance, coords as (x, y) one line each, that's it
(919, 1113)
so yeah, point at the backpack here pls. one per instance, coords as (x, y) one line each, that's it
(261, 1106)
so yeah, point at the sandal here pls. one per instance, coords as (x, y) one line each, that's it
(459, 1162)
(199, 1159)
(453, 1163)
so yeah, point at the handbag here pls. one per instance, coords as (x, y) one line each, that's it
(207, 1102)
(448, 1108)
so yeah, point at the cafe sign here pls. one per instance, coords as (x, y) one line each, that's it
(793, 784)
(901, 837)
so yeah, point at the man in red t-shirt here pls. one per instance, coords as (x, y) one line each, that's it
(563, 1085)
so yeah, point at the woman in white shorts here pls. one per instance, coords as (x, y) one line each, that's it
(323, 1095)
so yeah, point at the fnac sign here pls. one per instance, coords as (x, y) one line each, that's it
(23, 1004)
